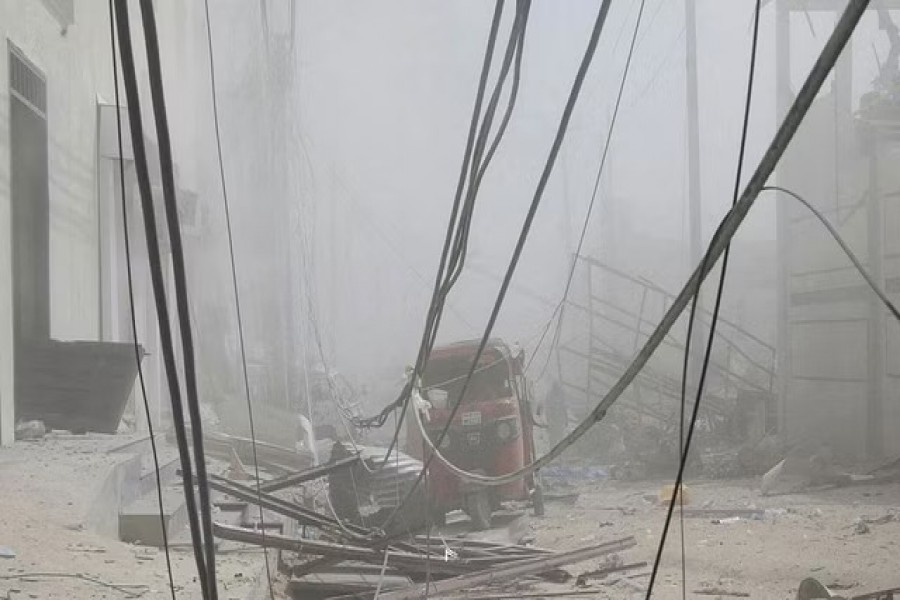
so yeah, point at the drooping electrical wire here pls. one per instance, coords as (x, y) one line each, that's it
(842, 32)
(235, 289)
(129, 77)
(523, 234)
(130, 280)
(876, 288)
(557, 314)
(379, 419)
(453, 257)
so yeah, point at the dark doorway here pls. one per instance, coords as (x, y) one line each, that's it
(30, 205)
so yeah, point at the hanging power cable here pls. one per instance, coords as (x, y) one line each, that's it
(557, 314)
(129, 78)
(379, 419)
(457, 232)
(130, 280)
(167, 172)
(523, 234)
(237, 297)
(842, 32)
(844, 246)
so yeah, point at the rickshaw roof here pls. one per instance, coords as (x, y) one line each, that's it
(493, 350)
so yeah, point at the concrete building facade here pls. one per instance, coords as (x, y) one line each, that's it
(61, 245)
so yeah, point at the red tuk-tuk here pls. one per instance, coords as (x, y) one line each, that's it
(491, 433)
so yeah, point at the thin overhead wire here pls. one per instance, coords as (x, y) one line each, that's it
(130, 279)
(129, 77)
(523, 234)
(557, 312)
(235, 289)
(471, 171)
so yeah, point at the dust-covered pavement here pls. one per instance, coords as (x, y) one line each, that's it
(846, 538)
(47, 491)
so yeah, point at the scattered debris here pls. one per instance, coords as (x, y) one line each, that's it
(335, 558)
(565, 498)
(236, 469)
(665, 495)
(521, 568)
(721, 592)
(771, 478)
(615, 565)
(30, 430)
(719, 515)
(132, 590)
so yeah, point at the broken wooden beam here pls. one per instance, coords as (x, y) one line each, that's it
(521, 568)
(292, 479)
(301, 514)
(406, 561)
(516, 595)
(329, 584)
(602, 572)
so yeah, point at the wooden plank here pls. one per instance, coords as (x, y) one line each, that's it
(293, 479)
(332, 583)
(406, 561)
(498, 574)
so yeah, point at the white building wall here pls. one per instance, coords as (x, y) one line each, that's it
(76, 61)
(76, 64)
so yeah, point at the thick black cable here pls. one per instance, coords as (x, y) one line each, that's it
(514, 48)
(401, 400)
(684, 445)
(129, 78)
(433, 314)
(237, 297)
(526, 227)
(844, 246)
(458, 228)
(167, 171)
(130, 279)
(479, 162)
(558, 311)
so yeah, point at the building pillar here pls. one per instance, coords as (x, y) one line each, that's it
(7, 399)
(783, 99)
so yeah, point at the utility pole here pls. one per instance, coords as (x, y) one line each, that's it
(693, 130)
(694, 196)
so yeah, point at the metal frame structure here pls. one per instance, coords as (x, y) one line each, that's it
(615, 330)
(815, 309)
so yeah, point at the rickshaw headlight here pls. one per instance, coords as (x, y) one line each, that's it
(505, 431)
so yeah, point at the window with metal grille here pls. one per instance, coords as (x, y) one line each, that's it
(26, 82)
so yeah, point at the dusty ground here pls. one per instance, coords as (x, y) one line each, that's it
(803, 535)
(46, 490)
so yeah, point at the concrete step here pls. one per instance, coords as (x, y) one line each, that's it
(139, 521)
